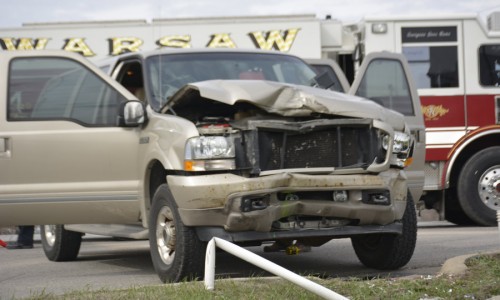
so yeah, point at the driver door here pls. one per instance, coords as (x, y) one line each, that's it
(63, 157)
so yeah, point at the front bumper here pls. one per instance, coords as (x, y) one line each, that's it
(216, 200)
(207, 233)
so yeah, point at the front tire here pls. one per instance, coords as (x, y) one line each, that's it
(60, 244)
(389, 251)
(478, 186)
(176, 251)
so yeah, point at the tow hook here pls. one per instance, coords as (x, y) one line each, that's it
(297, 249)
(292, 250)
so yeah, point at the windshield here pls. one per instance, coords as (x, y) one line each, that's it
(169, 72)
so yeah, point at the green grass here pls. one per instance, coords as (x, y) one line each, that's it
(481, 281)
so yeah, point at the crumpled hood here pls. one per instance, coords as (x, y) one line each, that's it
(291, 100)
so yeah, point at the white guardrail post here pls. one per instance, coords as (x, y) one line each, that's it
(262, 263)
(498, 220)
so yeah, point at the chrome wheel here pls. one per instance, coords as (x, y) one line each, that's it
(50, 234)
(489, 187)
(165, 235)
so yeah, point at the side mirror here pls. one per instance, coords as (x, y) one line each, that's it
(325, 80)
(132, 114)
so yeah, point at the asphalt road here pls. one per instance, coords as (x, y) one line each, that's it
(105, 263)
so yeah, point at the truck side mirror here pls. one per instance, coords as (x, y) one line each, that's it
(325, 80)
(132, 114)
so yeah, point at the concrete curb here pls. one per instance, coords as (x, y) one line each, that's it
(456, 265)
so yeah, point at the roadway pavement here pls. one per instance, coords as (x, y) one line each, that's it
(111, 264)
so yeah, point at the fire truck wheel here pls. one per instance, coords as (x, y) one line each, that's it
(60, 244)
(389, 251)
(479, 186)
(176, 251)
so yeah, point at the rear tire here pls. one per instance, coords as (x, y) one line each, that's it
(176, 251)
(476, 186)
(60, 244)
(389, 251)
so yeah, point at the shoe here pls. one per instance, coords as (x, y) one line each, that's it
(16, 245)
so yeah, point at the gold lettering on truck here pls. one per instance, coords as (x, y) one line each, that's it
(175, 41)
(124, 45)
(13, 44)
(78, 45)
(274, 39)
(221, 40)
(434, 112)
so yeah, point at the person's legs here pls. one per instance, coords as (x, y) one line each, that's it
(24, 238)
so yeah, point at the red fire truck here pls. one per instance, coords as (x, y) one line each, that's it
(455, 63)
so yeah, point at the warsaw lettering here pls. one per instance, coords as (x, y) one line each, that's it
(280, 40)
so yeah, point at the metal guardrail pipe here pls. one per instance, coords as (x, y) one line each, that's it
(262, 263)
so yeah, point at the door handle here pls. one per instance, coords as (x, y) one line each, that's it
(4, 147)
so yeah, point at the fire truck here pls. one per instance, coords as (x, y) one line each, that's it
(455, 62)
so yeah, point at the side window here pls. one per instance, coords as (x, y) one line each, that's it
(489, 65)
(130, 76)
(433, 67)
(60, 89)
(390, 89)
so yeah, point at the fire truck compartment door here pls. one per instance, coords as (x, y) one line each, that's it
(386, 79)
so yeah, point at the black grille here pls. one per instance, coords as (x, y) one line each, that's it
(337, 146)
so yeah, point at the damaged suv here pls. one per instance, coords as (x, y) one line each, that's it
(188, 145)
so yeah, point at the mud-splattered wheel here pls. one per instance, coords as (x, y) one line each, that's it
(176, 251)
(389, 251)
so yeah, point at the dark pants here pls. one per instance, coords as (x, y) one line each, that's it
(25, 236)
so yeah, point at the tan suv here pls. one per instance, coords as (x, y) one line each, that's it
(181, 146)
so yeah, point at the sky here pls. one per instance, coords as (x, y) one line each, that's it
(16, 13)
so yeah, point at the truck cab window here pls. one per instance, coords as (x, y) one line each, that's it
(433, 67)
(489, 65)
(60, 89)
(131, 78)
(390, 90)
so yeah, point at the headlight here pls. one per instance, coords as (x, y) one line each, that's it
(402, 143)
(204, 153)
(401, 148)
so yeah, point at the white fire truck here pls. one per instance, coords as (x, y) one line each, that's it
(455, 62)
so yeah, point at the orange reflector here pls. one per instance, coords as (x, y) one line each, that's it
(188, 165)
(408, 161)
